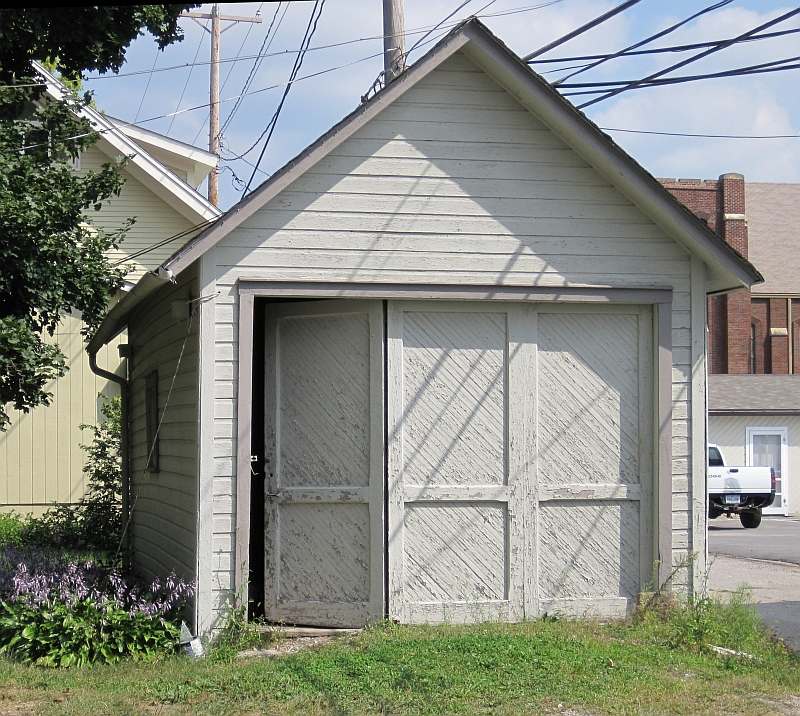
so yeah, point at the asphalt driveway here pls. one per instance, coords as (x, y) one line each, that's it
(767, 560)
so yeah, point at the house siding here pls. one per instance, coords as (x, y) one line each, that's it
(156, 220)
(453, 183)
(164, 503)
(32, 479)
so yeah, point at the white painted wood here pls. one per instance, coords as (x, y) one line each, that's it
(164, 504)
(594, 386)
(324, 463)
(373, 248)
(453, 501)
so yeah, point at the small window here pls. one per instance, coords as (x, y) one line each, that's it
(714, 458)
(151, 421)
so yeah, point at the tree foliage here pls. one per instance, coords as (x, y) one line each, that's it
(52, 258)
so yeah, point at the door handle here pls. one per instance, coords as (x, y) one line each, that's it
(734, 469)
(272, 494)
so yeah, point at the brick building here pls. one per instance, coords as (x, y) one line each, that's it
(758, 331)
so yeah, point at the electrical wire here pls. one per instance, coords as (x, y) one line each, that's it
(163, 242)
(656, 36)
(594, 22)
(772, 66)
(700, 134)
(189, 76)
(265, 45)
(310, 30)
(415, 31)
(230, 70)
(147, 86)
(693, 58)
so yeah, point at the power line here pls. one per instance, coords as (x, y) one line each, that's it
(693, 58)
(437, 26)
(700, 134)
(599, 20)
(265, 45)
(658, 50)
(147, 86)
(310, 30)
(647, 40)
(189, 76)
(292, 75)
(772, 66)
(415, 31)
(163, 242)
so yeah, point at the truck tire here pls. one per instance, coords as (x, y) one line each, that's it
(714, 512)
(750, 519)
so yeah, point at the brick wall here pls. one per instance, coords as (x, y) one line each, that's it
(731, 316)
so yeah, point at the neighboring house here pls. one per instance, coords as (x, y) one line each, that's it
(455, 349)
(41, 460)
(755, 419)
(754, 335)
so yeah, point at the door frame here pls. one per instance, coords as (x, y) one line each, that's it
(750, 432)
(248, 290)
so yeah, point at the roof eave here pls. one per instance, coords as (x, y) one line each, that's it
(112, 140)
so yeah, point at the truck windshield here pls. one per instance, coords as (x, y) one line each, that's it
(714, 458)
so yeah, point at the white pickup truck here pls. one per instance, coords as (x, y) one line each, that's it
(738, 490)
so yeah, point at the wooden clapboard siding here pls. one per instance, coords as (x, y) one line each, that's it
(41, 461)
(164, 503)
(453, 183)
(32, 478)
(155, 219)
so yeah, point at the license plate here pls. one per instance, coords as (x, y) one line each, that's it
(732, 499)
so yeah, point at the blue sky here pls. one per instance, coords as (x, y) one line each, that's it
(760, 104)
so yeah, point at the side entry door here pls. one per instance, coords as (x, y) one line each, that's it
(324, 448)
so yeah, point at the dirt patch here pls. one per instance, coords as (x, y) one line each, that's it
(286, 647)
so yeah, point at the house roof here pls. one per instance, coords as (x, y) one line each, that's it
(114, 141)
(195, 162)
(727, 269)
(773, 234)
(754, 394)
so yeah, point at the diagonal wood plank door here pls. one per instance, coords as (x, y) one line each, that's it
(457, 444)
(324, 449)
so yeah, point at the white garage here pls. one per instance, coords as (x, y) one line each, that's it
(447, 365)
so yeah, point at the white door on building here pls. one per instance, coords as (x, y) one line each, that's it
(324, 448)
(767, 447)
(520, 450)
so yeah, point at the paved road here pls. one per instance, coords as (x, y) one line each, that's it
(777, 538)
(767, 560)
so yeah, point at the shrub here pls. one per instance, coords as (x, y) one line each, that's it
(57, 612)
(82, 632)
(12, 529)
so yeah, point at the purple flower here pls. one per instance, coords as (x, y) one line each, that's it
(42, 577)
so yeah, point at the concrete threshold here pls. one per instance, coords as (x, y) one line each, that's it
(302, 632)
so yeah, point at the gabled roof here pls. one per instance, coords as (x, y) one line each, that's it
(141, 164)
(727, 269)
(197, 163)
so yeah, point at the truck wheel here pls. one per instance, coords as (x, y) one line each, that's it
(750, 519)
(714, 512)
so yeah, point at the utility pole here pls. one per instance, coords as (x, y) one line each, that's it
(213, 94)
(393, 34)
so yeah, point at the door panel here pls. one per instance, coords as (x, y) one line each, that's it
(594, 458)
(456, 533)
(324, 445)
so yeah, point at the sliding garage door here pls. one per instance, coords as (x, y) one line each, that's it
(519, 459)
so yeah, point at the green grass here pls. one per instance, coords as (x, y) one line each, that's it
(654, 664)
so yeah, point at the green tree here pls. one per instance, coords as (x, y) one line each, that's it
(52, 259)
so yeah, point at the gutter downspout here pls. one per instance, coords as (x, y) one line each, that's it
(123, 383)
